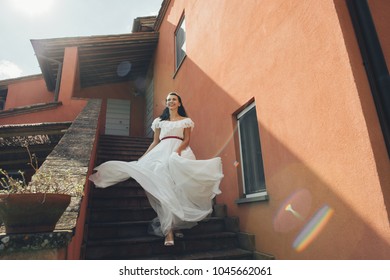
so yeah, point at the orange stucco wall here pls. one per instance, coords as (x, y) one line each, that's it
(380, 9)
(28, 92)
(33, 92)
(323, 149)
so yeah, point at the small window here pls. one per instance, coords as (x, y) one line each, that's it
(180, 43)
(3, 97)
(251, 156)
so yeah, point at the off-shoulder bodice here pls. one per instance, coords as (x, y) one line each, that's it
(172, 128)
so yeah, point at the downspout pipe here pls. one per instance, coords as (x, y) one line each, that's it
(374, 62)
(58, 82)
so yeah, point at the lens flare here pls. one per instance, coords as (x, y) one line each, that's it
(313, 228)
(123, 68)
(293, 211)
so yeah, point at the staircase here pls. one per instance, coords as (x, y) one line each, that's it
(118, 218)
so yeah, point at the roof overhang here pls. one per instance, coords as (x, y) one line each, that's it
(102, 59)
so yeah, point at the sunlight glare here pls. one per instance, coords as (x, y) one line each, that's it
(33, 7)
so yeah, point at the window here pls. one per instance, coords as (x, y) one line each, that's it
(251, 156)
(3, 97)
(180, 43)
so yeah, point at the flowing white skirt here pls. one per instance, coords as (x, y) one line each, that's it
(179, 188)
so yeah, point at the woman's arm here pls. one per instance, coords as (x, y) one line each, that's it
(186, 141)
(156, 140)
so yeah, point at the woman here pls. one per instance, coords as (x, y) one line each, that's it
(179, 188)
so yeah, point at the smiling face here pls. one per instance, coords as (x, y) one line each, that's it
(172, 102)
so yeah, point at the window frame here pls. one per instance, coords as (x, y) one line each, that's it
(178, 61)
(262, 193)
(3, 98)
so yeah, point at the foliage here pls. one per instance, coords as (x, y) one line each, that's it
(44, 181)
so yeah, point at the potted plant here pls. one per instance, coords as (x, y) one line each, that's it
(38, 205)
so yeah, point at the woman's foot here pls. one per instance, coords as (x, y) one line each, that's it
(169, 241)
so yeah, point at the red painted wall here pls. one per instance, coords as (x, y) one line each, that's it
(380, 10)
(323, 150)
(30, 92)
(27, 92)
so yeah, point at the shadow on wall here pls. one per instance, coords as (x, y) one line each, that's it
(309, 215)
(361, 80)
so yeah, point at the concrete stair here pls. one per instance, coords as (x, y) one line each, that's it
(118, 219)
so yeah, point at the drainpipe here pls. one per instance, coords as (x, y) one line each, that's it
(58, 82)
(374, 62)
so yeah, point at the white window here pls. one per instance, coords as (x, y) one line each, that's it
(251, 156)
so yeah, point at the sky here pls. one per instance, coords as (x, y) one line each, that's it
(23, 20)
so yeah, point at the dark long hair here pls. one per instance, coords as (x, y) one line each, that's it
(181, 111)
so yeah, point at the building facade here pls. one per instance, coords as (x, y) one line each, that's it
(296, 69)
(285, 92)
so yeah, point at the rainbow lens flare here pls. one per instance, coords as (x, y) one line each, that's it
(313, 228)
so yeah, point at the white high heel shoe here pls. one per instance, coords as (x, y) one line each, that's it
(169, 239)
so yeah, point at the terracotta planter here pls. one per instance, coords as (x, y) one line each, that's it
(32, 212)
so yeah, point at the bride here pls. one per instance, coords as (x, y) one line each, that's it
(179, 188)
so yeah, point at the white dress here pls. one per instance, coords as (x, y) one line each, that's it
(179, 188)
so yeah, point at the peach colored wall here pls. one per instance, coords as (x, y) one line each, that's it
(321, 140)
(23, 93)
(70, 107)
(380, 10)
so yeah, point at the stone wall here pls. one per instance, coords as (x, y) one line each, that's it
(67, 166)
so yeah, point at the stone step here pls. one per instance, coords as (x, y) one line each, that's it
(115, 230)
(126, 139)
(121, 148)
(138, 228)
(130, 187)
(121, 152)
(227, 254)
(111, 145)
(119, 217)
(152, 247)
(122, 157)
(130, 201)
(106, 215)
